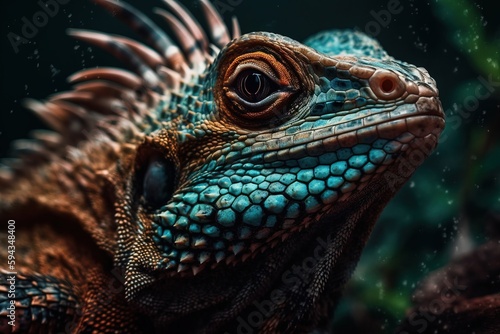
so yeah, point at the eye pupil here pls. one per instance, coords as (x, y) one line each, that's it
(252, 83)
(254, 86)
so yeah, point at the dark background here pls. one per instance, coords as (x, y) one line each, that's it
(449, 205)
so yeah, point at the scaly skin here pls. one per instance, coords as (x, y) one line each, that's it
(210, 192)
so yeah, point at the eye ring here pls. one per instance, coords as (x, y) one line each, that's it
(281, 68)
(254, 86)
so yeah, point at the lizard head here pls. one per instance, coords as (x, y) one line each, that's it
(278, 140)
(280, 136)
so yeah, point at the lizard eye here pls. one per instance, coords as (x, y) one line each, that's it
(254, 86)
(256, 89)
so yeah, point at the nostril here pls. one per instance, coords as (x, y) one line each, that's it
(387, 85)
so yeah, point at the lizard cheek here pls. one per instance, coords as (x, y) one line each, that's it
(387, 85)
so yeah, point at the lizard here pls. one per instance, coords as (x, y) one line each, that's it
(218, 184)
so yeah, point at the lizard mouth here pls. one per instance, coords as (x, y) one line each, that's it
(426, 119)
(415, 116)
(403, 122)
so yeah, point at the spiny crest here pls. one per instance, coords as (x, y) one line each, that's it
(114, 103)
